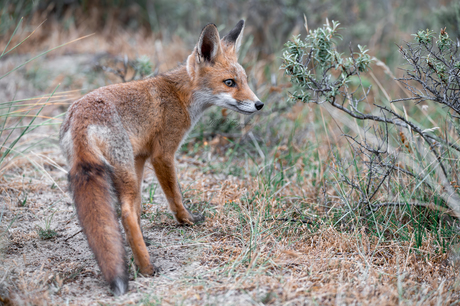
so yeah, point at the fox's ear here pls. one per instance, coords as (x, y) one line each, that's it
(208, 46)
(235, 36)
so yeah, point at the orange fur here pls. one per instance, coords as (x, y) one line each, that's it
(110, 133)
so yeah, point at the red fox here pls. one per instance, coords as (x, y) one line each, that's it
(109, 134)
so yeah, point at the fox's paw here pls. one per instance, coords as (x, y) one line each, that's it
(189, 218)
(149, 270)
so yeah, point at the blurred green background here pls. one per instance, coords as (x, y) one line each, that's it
(378, 24)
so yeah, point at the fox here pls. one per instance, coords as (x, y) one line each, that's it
(108, 135)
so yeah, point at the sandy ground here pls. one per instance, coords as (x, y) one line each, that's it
(65, 262)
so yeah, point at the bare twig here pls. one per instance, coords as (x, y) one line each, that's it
(68, 238)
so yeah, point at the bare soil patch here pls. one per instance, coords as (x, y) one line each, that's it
(62, 269)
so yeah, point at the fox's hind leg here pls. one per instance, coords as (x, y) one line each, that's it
(127, 185)
(139, 163)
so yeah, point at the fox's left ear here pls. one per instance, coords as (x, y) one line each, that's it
(207, 49)
(234, 37)
(208, 46)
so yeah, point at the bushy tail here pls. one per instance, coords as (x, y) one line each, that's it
(91, 185)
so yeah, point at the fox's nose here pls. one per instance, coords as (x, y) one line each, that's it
(259, 105)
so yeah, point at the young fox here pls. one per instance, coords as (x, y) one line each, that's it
(108, 135)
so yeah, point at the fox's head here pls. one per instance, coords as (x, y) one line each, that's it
(217, 76)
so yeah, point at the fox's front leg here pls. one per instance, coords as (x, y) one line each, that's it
(166, 174)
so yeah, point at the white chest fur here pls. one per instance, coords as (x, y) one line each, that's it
(201, 100)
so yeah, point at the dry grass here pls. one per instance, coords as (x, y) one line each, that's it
(237, 256)
(291, 263)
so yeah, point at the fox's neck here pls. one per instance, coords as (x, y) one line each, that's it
(200, 101)
(195, 100)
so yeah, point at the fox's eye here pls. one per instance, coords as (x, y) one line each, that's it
(230, 83)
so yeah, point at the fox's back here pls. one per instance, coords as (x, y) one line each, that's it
(139, 110)
(129, 102)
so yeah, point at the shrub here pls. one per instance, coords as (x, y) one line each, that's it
(402, 158)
